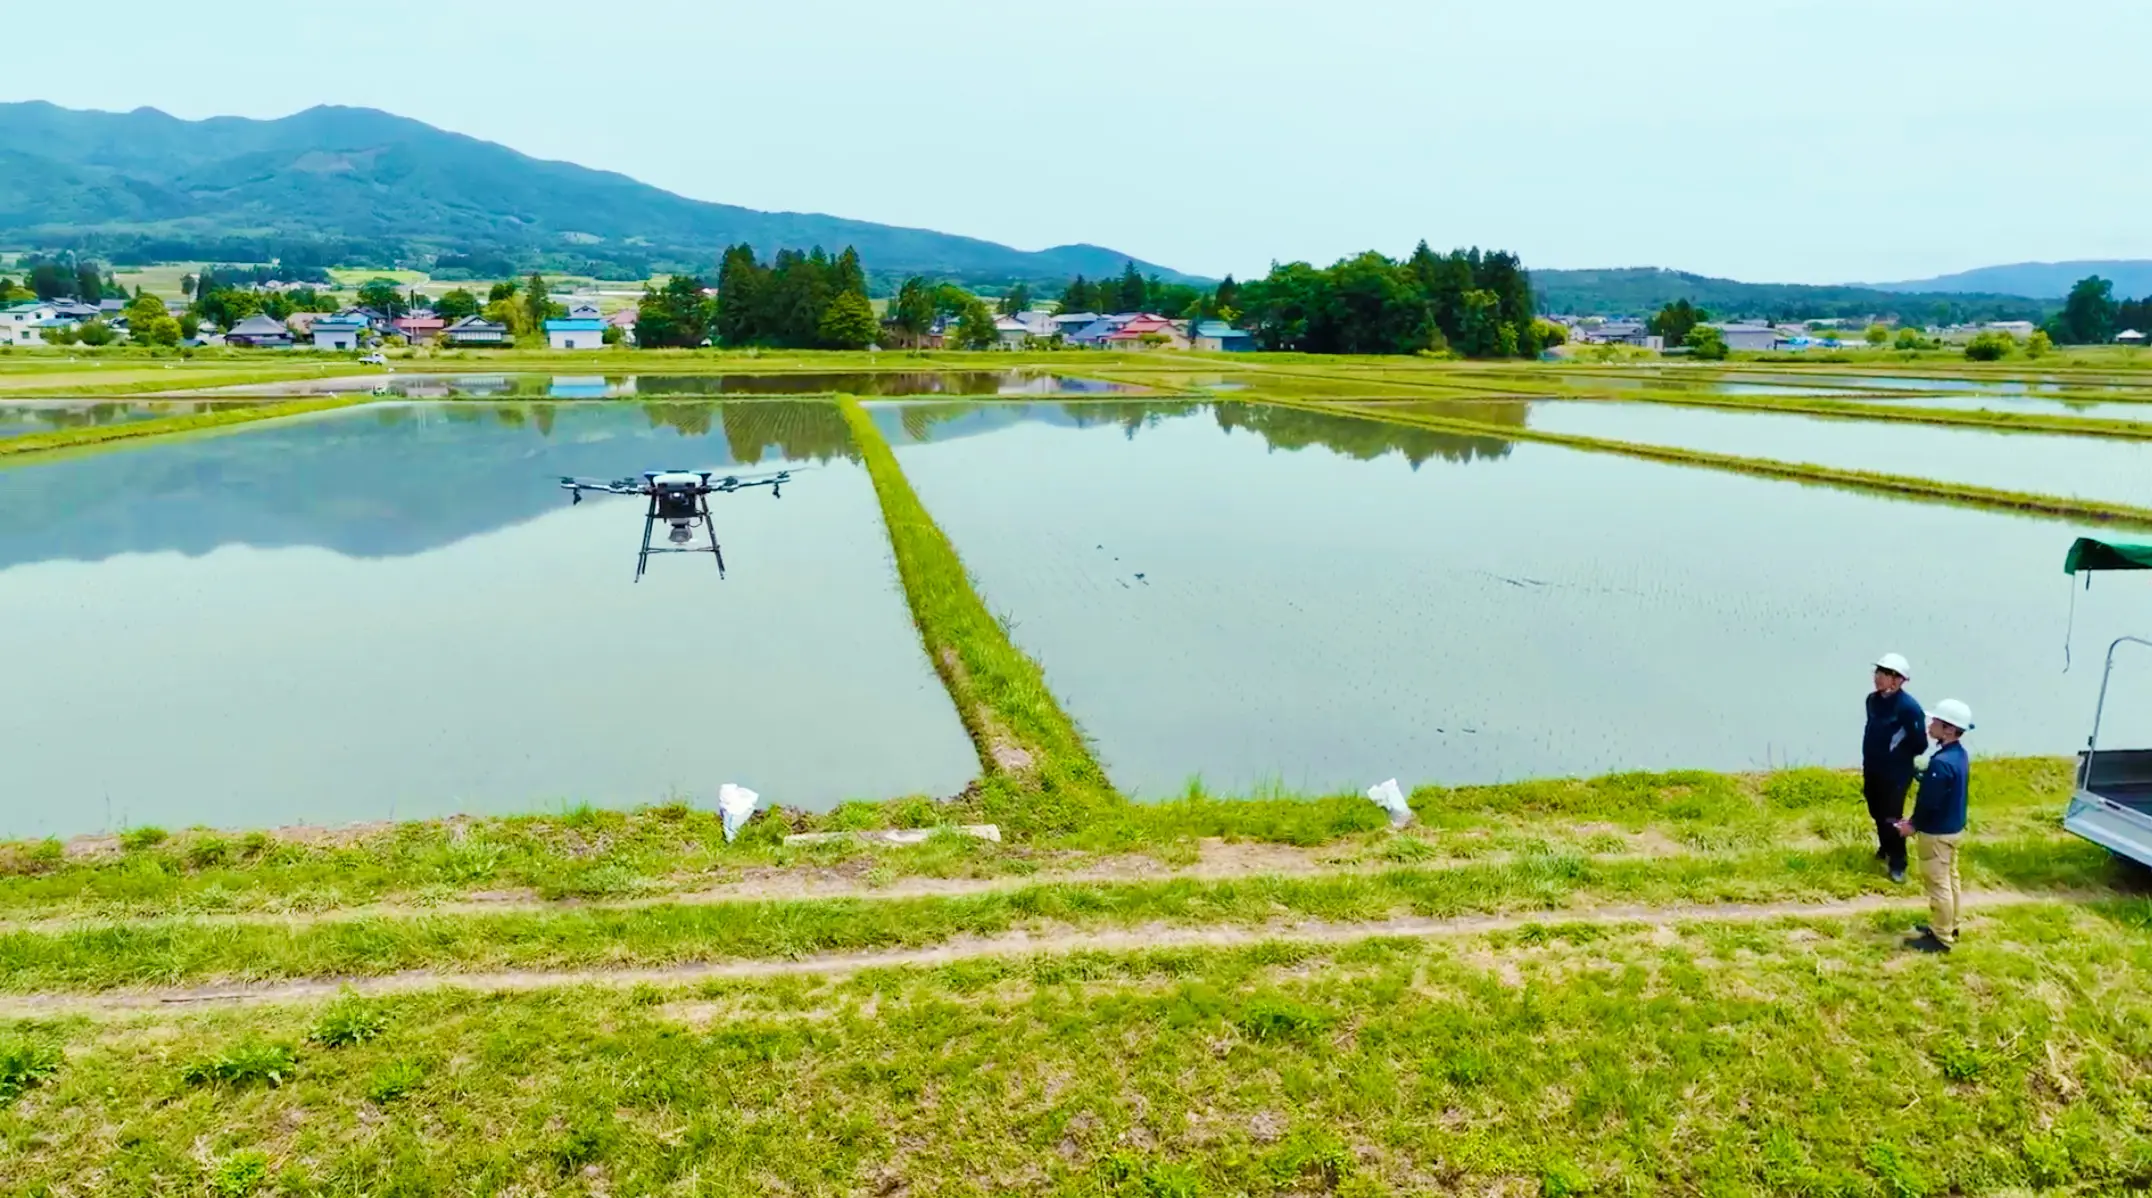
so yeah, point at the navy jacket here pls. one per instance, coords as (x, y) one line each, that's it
(1897, 732)
(1940, 808)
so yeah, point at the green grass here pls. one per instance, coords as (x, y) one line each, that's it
(591, 854)
(1802, 1056)
(102, 434)
(101, 956)
(1040, 774)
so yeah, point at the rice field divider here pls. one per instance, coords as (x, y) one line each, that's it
(1900, 485)
(1040, 774)
(75, 438)
(1836, 409)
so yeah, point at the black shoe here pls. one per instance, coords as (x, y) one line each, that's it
(1924, 930)
(1927, 943)
(1882, 854)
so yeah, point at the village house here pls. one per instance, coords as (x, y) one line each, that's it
(576, 333)
(1010, 333)
(477, 332)
(2129, 337)
(259, 332)
(1218, 337)
(23, 324)
(337, 332)
(624, 320)
(1758, 337)
(1147, 331)
(419, 328)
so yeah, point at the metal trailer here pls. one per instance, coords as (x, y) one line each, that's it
(2112, 803)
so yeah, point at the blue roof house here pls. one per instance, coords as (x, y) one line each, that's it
(1216, 336)
(575, 334)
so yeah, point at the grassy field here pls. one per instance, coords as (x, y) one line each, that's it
(1793, 1055)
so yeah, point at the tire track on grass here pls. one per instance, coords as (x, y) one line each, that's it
(1007, 945)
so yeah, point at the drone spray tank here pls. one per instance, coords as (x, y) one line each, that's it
(681, 500)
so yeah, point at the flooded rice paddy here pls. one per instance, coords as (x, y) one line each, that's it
(2092, 468)
(2137, 410)
(395, 612)
(618, 386)
(1256, 595)
(24, 417)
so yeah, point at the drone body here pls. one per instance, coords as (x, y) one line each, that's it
(681, 499)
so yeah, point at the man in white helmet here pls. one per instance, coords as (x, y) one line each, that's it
(1895, 735)
(1939, 820)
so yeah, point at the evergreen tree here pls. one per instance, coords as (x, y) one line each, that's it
(538, 304)
(1129, 295)
(674, 316)
(740, 284)
(913, 311)
(1017, 299)
(847, 275)
(1078, 297)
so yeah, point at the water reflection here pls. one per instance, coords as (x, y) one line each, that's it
(397, 613)
(1204, 606)
(24, 417)
(387, 480)
(1279, 427)
(627, 386)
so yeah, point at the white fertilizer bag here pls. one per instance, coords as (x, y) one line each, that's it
(1388, 797)
(734, 805)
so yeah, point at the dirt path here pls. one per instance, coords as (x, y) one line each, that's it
(1017, 944)
(1219, 861)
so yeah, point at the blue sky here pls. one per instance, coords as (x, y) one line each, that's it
(1763, 140)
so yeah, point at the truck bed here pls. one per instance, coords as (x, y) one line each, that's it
(2113, 803)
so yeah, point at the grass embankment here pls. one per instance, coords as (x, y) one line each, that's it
(1688, 838)
(175, 382)
(1040, 774)
(99, 434)
(1797, 1056)
(591, 855)
(1903, 411)
(1899, 485)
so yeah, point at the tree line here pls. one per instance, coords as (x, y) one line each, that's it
(2091, 315)
(1472, 302)
(794, 301)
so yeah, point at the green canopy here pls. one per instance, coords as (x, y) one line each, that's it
(2092, 554)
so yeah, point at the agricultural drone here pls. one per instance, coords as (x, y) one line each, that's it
(680, 498)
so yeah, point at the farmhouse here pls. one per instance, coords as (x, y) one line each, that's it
(1216, 336)
(21, 324)
(259, 332)
(337, 332)
(574, 333)
(477, 331)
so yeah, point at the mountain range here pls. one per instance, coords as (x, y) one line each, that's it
(362, 186)
(2132, 278)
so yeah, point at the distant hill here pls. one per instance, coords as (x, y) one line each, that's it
(1640, 290)
(2132, 278)
(371, 188)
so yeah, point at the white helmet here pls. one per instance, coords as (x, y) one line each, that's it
(1896, 664)
(1953, 713)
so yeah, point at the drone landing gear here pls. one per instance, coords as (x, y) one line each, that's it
(681, 522)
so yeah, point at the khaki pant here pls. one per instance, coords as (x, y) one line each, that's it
(1939, 877)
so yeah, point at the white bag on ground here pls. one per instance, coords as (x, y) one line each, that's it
(1388, 797)
(734, 805)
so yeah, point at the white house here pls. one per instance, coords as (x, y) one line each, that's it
(1012, 333)
(19, 323)
(1760, 337)
(337, 332)
(2129, 337)
(574, 333)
